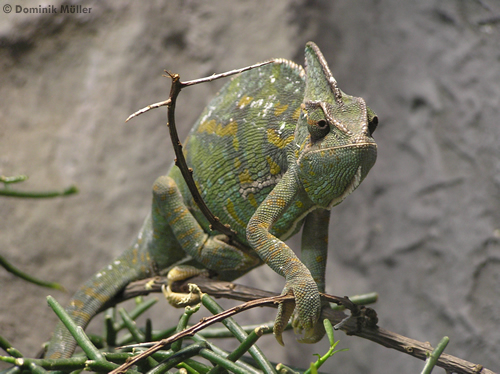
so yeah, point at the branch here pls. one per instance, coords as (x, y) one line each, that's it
(362, 323)
(180, 160)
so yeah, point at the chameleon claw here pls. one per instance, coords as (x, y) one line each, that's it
(285, 311)
(180, 300)
(179, 273)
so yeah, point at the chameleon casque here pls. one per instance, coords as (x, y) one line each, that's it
(272, 152)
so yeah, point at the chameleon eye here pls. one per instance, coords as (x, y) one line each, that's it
(372, 125)
(318, 130)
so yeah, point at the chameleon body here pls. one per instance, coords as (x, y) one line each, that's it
(271, 153)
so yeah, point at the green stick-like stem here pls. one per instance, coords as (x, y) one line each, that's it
(183, 321)
(131, 325)
(223, 362)
(242, 348)
(178, 357)
(83, 341)
(209, 303)
(37, 194)
(434, 356)
(12, 269)
(137, 311)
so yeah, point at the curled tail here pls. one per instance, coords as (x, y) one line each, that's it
(98, 291)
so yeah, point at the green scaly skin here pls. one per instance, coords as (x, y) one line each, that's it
(272, 152)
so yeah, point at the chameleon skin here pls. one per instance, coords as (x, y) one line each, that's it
(274, 150)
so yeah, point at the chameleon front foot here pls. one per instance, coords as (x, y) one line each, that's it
(181, 273)
(305, 312)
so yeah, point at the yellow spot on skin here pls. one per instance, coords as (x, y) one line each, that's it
(211, 127)
(299, 204)
(296, 114)
(186, 233)
(90, 292)
(245, 100)
(274, 167)
(77, 303)
(251, 199)
(229, 130)
(320, 259)
(82, 315)
(232, 212)
(274, 138)
(245, 177)
(207, 126)
(280, 202)
(278, 111)
(237, 163)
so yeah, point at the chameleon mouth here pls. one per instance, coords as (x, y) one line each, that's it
(328, 175)
(331, 150)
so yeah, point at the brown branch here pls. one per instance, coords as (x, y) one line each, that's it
(180, 160)
(361, 324)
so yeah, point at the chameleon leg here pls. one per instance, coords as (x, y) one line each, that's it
(314, 254)
(282, 259)
(212, 252)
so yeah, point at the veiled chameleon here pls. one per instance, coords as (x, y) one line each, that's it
(272, 152)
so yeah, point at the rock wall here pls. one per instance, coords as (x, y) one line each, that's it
(423, 230)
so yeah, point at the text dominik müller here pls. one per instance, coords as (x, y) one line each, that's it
(72, 9)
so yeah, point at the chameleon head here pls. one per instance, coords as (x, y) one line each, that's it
(335, 149)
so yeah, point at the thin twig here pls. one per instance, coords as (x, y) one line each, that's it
(362, 326)
(12, 269)
(180, 160)
(200, 326)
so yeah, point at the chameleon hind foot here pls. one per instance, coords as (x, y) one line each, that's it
(180, 273)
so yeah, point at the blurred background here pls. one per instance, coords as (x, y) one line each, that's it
(423, 230)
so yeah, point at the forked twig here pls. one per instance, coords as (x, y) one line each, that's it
(180, 160)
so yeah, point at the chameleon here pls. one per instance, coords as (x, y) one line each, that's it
(272, 153)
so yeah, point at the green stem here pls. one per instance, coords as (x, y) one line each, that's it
(242, 348)
(434, 356)
(199, 338)
(37, 194)
(109, 328)
(178, 357)
(209, 303)
(76, 331)
(136, 312)
(7, 347)
(13, 179)
(74, 363)
(223, 362)
(131, 325)
(183, 321)
(12, 269)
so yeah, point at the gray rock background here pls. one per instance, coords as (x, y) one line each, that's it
(423, 230)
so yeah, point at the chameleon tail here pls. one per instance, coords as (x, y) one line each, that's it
(96, 293)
